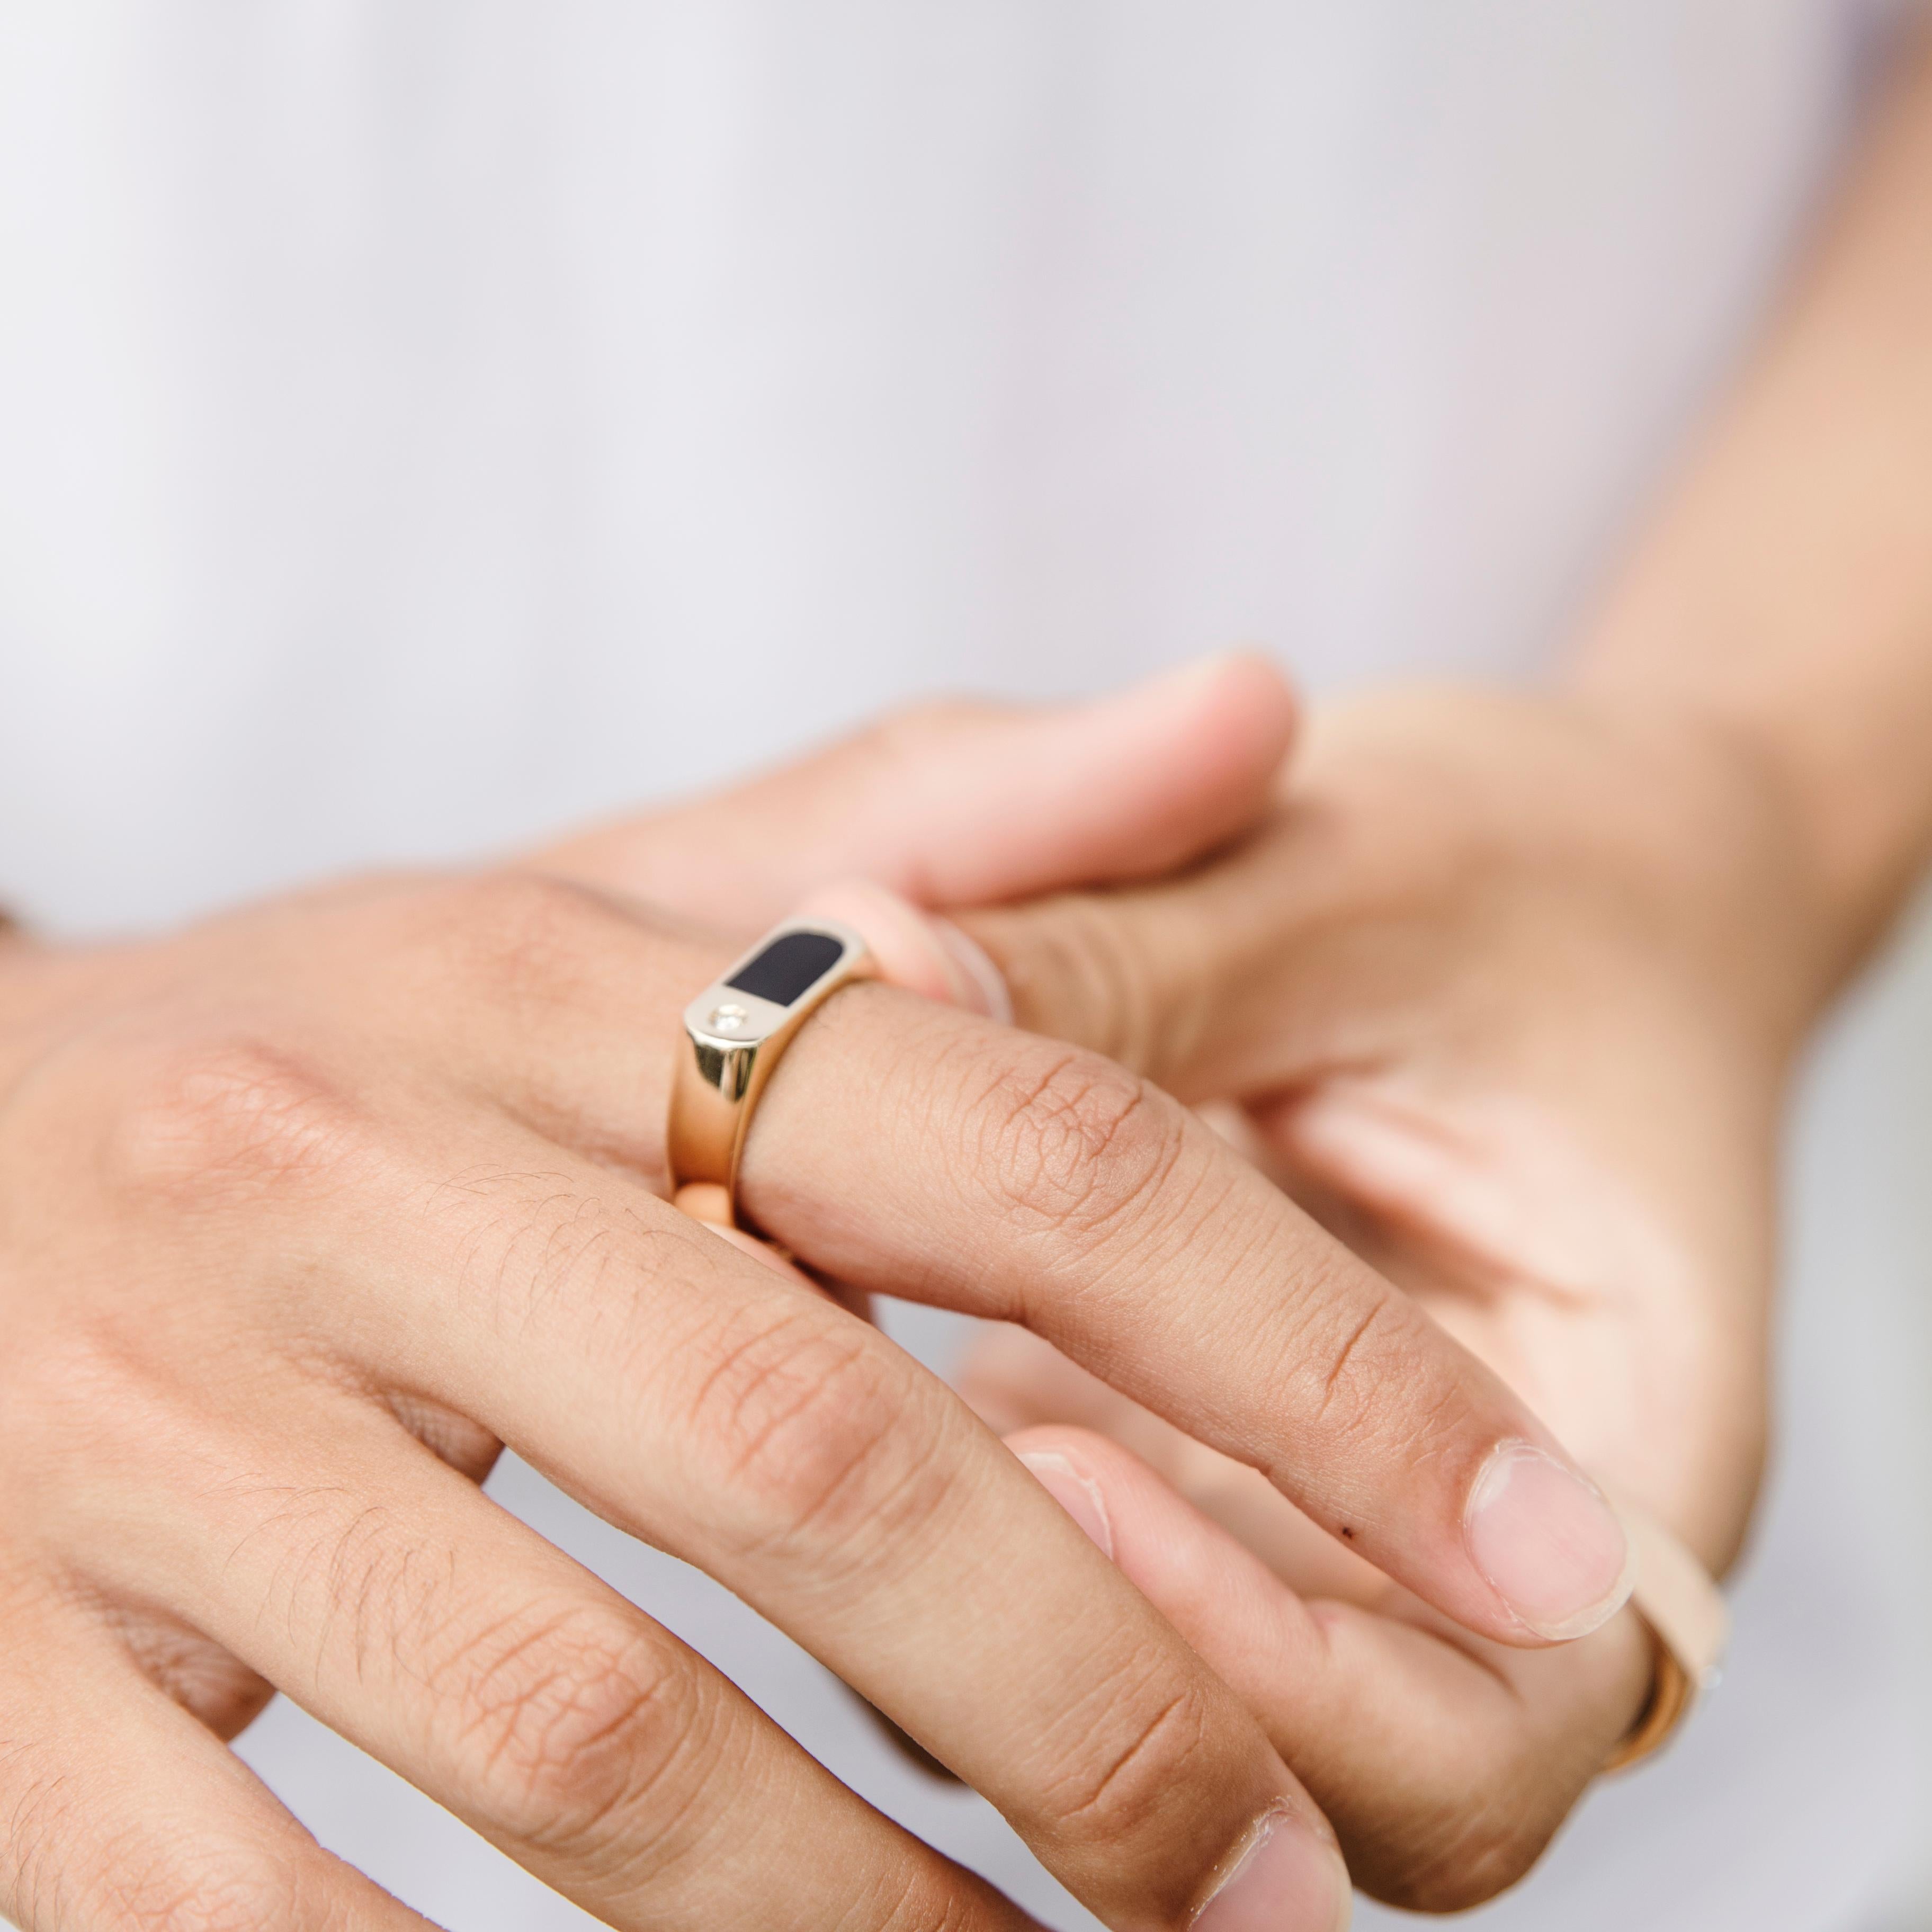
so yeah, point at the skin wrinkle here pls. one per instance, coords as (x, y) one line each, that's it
(1057, 1153)
(824, 1364)
(1338, 1368)
(229, 1120)
(1179, 1709)
(1298, 1318)
(556, 1701)
(1077, 1793)
(994, 1115)
(913, 1909)
(763, 1323)
(1177, 1220)
(904, 1503)
(721, 1739)
(1067, 1297)
(531, 1764)
(475, 1662)
(238, 1891)
(989, 1573)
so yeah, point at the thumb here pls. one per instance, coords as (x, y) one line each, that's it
(970, 803)
(1179, 980)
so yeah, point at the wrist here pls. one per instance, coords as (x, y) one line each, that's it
(1843, 789)
(1724, 814)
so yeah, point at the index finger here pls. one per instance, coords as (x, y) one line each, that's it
(1011, 1177)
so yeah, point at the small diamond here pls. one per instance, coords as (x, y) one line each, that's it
(731, 1018)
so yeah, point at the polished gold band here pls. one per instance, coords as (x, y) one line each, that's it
(1689, 1625)
(736, 1032)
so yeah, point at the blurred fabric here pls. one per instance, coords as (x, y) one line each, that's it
(421, 427)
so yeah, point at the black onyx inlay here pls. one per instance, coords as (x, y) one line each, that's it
(791, 965)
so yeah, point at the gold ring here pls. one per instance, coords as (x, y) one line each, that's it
(736, 1032)
(1683, 1615)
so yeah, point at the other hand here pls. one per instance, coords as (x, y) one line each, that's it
(1503, 991)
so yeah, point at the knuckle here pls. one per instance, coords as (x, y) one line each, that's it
(921, 1901)
(1075, 1143)
(200, 1124)
(1141, 1737)
(1341, 1340)
(811, 1428)
(572, 1720)
(201, 1889)
(78, 1407)
(1082, 951)
(1373, 1374)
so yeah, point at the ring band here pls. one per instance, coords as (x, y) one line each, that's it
(1688, 1625)
(736, 1032)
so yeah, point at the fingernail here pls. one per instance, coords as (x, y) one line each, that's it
(1285, 1879)
(984, 989)
(1550, 1545)
(1075, 1492)
(915, 948)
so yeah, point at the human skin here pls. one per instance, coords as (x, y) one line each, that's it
(1504, 992)
(1507, 990)
(245, 1389)
(306, 1210)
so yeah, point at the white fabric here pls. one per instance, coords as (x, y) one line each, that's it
(411, 419)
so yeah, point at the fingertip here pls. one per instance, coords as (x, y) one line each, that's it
(1245, 691)
(1251, 712)
(1122, 787)
(1194, 754)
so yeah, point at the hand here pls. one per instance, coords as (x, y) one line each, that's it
(306, 1211)
(1504, 991)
